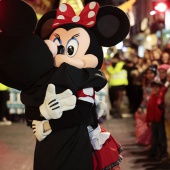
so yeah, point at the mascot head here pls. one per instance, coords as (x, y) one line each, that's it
(82, 37)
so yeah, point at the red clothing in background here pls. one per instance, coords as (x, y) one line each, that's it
(155, 106)
(154, 113)
(161, 95)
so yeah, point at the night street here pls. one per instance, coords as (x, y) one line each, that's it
(17, 147)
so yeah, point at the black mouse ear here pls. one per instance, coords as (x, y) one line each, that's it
(112, 26)
(44, 26)
(17, 18)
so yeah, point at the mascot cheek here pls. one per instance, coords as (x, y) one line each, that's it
(59, 59)
(52, 47)
(76, 62)
(90, 61)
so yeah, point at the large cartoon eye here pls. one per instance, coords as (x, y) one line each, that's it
(72, 47)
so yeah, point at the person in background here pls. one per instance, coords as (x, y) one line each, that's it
(165, 57)
(134, 87)
(167, 111)
(156, 54)
(162, 72)
(143, 132)
(130, 67)
(117, 82)
(164, 96)
(155, 119)
(4, 96)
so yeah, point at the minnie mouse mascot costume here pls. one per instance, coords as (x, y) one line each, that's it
(28, 65)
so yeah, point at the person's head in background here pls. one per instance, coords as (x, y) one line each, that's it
(162, 72)
(151, 73)
(155, 62)
(156, 87)
(148, 57)
(140, 61)
(116, 58)
(165, 57)
(135, 59)
(156, 55)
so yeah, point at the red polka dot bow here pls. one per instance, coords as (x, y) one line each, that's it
(66, 14)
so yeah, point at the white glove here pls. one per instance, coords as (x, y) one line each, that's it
(98, 138)
(38, 130)
(54, 104)
(101, 108)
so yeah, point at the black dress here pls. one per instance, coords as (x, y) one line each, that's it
(68, 147)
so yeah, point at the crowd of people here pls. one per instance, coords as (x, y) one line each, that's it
(146, 83)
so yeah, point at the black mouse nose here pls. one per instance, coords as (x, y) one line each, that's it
(61, 49)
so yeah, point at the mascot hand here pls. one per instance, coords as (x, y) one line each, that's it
(54, 104)
(86, 94)
(101, 108)
(38, 130)
(98, 138)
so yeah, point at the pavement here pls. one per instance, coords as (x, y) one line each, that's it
(135, 157)
(17, 146)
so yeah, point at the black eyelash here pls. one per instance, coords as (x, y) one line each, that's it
(56, 35)
(76, 35)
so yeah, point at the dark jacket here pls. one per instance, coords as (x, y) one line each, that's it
(68, 146)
